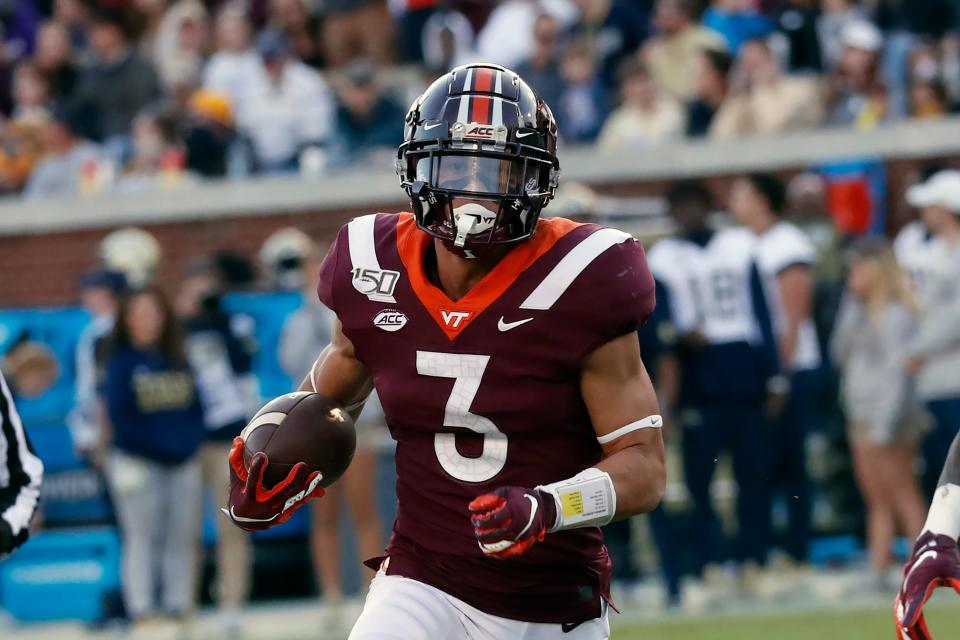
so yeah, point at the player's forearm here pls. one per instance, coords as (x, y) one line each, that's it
(340, 376)
(639, 475)
(944, 514)
(352, 401)
(353, 407)
(629, 480)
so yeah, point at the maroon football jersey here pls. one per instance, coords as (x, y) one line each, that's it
(484, 392)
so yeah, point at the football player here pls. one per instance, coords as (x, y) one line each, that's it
(504, 352)
(934, 561)
(729, 366)
(785, 259)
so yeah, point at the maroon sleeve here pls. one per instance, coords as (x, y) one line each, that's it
(330, 269)
(618, 294)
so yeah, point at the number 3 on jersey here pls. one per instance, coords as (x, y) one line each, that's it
(466, 371)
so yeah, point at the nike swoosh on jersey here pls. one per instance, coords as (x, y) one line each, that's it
(524, 134)
(506, 326)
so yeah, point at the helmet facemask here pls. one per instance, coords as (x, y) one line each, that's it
(476, 198)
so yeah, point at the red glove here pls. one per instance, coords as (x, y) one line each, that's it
(253, 507)
(934, 563)
(510, 520)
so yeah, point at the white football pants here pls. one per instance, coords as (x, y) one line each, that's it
(399, 608)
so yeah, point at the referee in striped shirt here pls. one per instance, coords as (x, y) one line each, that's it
(20, 474)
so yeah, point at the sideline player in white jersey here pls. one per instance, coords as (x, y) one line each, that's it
(917, 250)
(935, 350)
(784, 257)
(712, 291)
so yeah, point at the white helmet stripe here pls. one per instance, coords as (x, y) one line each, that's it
(498, 102)
(464, 111)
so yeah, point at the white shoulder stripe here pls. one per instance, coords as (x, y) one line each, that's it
(571, 266)
(363, 253)
(365, 267)
(498, 102)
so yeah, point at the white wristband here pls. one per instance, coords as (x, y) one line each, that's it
(587, 499)
(944, 514)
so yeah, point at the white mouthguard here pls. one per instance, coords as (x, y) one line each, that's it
(471, 218)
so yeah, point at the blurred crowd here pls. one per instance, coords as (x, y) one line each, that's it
(122, 95)
(164, 383)
(775, 329)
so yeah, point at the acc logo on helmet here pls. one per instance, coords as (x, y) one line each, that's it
(475, 130)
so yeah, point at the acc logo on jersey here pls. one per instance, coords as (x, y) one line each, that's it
(390, 320)
(376, 284)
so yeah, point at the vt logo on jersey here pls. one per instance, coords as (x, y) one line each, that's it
(376, 284)
(455, 320)
(390, 320)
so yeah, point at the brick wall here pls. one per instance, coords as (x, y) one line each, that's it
(43, 269)
(38, 270)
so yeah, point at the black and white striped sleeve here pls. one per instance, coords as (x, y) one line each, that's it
(20, 475)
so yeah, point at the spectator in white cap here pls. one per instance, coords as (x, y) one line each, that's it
(834, 17)
(935, 351)
(858, 96)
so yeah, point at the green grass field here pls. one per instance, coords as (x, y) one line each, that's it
(944, 622)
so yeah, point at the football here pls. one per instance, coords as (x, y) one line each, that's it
(301, 427)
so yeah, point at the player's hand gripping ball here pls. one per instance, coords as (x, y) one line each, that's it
(295, 446)
(510, 520)
(933, 563)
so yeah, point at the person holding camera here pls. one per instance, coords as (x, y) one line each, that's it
(227, 389)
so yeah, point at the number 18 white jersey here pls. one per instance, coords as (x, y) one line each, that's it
(708, 284)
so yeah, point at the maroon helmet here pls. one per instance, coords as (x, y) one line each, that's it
(479, 157)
